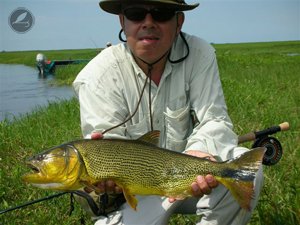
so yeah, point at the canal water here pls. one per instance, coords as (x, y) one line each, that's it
(22, 89)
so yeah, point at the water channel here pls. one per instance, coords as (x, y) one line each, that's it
(22, 90)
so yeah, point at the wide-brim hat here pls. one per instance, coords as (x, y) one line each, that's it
(115, 6)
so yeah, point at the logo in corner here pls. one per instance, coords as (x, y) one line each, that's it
(21, 20)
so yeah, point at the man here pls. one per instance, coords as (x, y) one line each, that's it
(162, 79)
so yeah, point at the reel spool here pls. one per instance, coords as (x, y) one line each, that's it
(274, 149)
(262, 139)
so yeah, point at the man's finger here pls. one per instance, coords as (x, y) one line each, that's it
(203, 186)
(118, 190)
(171, 200)
(211, 181)
(96, 135)
(110, 186)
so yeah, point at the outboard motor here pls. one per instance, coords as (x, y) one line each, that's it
(41, 63)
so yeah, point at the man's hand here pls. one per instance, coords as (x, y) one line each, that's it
(203, 184)
(108, 186)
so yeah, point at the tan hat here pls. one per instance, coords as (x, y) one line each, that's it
(115, 6)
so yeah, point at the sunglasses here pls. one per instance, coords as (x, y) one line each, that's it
(158, 14)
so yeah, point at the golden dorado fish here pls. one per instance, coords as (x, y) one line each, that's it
(139, 167)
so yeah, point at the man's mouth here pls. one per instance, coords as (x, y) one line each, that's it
(149, 38)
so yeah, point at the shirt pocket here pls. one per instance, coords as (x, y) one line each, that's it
(177, 128)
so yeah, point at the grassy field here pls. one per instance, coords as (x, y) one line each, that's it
(261, 84)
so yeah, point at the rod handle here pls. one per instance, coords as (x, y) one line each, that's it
(246, 137)
(253, 135)
(284, 126)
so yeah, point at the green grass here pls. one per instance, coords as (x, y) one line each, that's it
(65, 75)
(261, 85)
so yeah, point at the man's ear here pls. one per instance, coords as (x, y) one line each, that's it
(121, 19)
(180, 21)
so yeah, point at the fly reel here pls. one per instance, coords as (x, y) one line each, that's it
(262, 139)
(274, 149)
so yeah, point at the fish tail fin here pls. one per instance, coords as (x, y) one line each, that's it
(239, 175)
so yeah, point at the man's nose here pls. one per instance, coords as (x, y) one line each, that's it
(149, 19)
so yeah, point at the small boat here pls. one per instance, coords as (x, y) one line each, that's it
(46, 66)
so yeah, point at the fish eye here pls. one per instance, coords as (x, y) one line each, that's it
(40, 157)
(43, 156)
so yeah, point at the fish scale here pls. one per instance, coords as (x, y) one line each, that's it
(122, 163)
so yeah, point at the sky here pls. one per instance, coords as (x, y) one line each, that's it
(80, 24)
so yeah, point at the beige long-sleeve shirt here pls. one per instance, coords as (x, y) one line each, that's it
(109, 88)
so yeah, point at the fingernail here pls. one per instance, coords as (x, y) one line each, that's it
(209, 179)
(200, 179)
(195, 187)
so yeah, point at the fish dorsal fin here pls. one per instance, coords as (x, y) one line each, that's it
(151, 137)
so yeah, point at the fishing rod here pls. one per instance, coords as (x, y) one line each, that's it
(33, 202)
(96, 210)
(262, 139)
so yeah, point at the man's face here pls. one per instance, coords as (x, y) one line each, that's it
(150, 37)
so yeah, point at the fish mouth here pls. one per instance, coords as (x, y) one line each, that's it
(33, 167)
(34, 175)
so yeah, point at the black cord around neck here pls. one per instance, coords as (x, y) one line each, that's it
(149, 76)
(187, 48)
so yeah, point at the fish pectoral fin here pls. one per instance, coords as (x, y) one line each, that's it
(130, 198)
